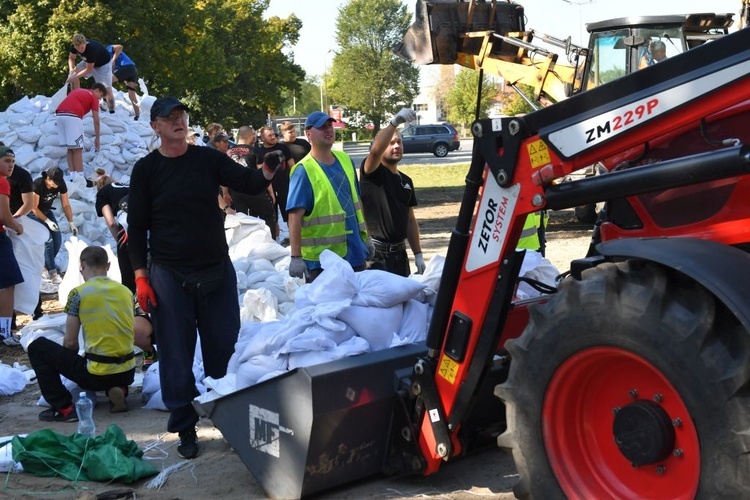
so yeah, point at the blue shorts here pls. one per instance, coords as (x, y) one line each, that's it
(10, 273)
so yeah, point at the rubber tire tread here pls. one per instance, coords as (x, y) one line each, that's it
(669, 320)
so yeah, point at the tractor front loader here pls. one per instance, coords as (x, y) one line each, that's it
(631, 381)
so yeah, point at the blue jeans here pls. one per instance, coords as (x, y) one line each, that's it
(179, 319)
(53, 244)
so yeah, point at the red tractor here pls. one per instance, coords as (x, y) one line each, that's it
(631, 379)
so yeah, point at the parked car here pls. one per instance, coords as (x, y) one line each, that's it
(438, 139)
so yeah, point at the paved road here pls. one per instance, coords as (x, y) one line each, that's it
(358, 151)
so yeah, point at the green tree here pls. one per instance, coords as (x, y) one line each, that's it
(304, 101)
(514, 104)
(221, 56)
(365, 74)
(461, 100)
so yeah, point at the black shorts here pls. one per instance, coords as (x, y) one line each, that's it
(127, 73)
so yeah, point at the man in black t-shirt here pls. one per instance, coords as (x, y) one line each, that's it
(258, 205)
(280, 183)
(388, 201)
(95, 62)
(21, 192)
(298, 147)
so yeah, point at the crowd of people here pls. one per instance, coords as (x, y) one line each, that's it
(178, 285)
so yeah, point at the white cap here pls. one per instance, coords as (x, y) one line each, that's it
(82, 394)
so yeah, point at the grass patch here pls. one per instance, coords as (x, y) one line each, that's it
(433, 176)
(438, 184)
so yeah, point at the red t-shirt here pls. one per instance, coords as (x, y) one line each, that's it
(4, 191)
(78, 102)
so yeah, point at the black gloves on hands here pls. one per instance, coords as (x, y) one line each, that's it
(271, 163)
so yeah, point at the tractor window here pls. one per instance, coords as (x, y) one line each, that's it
(660, 43)
(609, 57)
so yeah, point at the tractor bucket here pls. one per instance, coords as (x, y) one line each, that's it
(318, 427)
(435, 36)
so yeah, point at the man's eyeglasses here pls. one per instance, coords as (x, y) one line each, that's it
(175, 117)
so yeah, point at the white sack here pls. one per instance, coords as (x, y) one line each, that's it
(29, 251)
(383, 289)
(12, 380)
(376, 325)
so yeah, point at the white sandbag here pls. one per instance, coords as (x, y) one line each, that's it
(258, 306)
(431, 279)
(51, 326)
(72, 277)
(352, 347)
(41, 164)
(88, 127)
(312, 339)
(29, 134)
(267, 339)
(25, 155)
(12, 380)
(414, 322)
(57, 98)
(22, 105)
(283, 287)
(53, 151)
(383, 289)
(377, 333)
(336, 283)
(256, 367)
(538, 268)
(29, 251)
(51, 139)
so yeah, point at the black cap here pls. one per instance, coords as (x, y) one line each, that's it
(164, 105)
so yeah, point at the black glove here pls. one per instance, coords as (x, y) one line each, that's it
(271, 163)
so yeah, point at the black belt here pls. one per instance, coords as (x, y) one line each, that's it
(382, 246)
(114, 360)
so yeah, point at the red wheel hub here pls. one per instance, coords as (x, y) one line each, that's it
(642, 457)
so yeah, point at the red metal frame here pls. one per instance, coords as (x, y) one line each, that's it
(472, 296)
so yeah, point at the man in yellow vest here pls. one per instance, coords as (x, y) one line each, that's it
(324, 205)
(104, 308)
(532, 235)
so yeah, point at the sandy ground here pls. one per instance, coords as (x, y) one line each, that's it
(218, 472)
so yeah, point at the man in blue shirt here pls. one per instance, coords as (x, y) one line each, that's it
(325, 212)
(124, 70)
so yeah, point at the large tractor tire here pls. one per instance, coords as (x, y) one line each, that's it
(630, 383)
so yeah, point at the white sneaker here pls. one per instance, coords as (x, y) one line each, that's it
(55, 278)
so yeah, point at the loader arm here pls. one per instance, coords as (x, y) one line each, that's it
(491, 36)
(513, 165)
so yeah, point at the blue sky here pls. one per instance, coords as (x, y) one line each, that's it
(558, 18)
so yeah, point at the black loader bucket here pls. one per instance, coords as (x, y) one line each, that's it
(435, 36)
(315, 428)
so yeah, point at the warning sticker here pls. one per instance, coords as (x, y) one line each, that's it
(538, 153)
(448, 369)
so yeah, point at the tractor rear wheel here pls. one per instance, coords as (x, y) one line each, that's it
(630, 383)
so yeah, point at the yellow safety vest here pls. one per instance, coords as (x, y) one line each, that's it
(325, 227)
(530, 234)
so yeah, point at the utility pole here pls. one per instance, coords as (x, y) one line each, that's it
(580, 4)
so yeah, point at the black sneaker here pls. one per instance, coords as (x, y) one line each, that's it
(67, 414)
(188, 447)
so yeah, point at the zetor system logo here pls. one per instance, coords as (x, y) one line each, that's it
(492, 223)
(265, 430)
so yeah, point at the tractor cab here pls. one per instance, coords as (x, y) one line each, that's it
(624, 45)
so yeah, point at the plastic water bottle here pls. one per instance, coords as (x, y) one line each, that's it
(85, 412)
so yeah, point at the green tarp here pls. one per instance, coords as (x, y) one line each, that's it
(107, 457)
